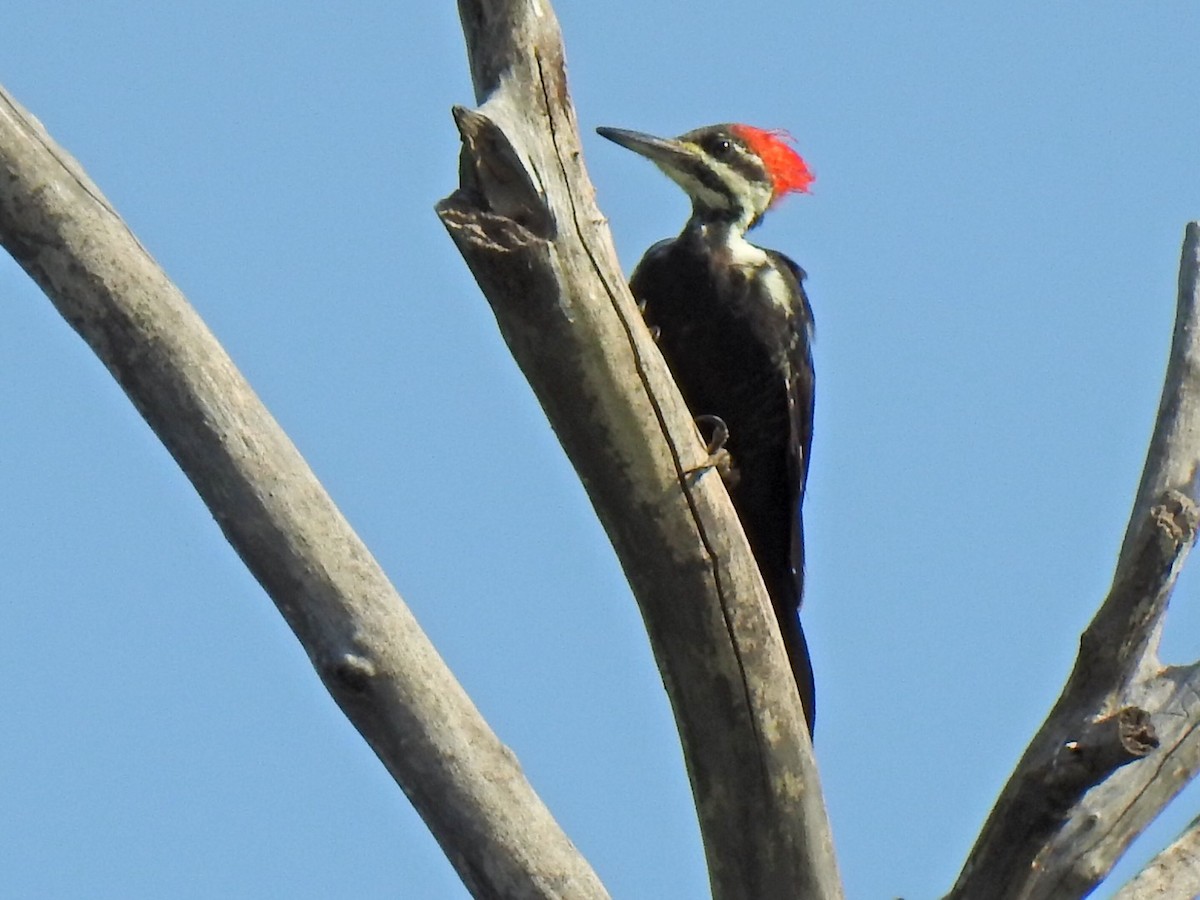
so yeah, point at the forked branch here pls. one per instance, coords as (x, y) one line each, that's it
(1122, 738)
(524, 218)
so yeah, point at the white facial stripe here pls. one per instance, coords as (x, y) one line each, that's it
(697, 190)
(756, 195)
(724, 188)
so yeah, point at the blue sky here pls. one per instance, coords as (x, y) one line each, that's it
(992, 242)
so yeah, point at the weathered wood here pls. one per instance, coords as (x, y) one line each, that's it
(1173, 458)
(363, 642)
(1175, 872)
(525, 220)
(1063, 819)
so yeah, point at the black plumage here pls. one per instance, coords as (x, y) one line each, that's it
(735, 327)
(749, 363)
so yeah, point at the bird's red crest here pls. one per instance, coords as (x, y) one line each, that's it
(787, 169)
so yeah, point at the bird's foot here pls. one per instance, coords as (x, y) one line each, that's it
(719, 457)
(654, 329)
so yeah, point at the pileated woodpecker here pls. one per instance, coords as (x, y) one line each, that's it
(735, 327)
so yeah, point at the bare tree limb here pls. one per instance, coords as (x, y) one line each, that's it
(1173, 873)
(1173, 460)
(525, 220)
(1073, 804)
(363, 642)
(1107, 820)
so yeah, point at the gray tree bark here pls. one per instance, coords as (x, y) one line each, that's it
(1175, 872)
(1121, 741)
(1118, 745)
(361, 639)
(525, 219)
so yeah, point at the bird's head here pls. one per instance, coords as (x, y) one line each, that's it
(733, 173)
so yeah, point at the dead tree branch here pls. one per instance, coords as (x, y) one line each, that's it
(525, 219)
(1073, 804)
(1173, 873)
(363, 642)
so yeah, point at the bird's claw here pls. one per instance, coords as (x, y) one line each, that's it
(719, 457)
(655, 331)
(720, 432)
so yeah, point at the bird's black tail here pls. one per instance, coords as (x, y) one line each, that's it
(797, 650)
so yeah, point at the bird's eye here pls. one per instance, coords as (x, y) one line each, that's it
(717, 146)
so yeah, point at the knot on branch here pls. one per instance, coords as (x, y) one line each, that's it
(1101, 748)
(1176, 518)
(1119, 634)
(1166, 535)
(493, 178)
(352, 672)
(490, 233)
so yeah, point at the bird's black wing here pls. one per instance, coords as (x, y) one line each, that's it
(800, 390)
(750, 365)
(800, 395)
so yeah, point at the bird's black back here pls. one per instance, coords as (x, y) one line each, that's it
(740, 356)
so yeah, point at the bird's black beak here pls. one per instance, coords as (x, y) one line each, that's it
(670, 153)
